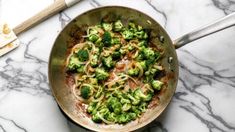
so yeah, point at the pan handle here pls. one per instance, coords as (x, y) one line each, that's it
(216, 26)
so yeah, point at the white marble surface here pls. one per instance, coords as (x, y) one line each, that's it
(205, 97)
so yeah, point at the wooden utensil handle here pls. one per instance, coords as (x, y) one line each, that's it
(56, 7)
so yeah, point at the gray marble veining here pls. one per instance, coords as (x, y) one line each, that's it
(203, 101)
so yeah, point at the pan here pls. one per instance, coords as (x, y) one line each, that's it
(67, 38)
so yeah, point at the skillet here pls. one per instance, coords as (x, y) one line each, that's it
(67, 38)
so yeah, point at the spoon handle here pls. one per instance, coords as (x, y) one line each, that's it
(54, 8)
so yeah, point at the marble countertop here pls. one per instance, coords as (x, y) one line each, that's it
(205, 97)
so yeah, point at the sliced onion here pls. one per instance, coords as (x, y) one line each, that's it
(113, 89)
(148, 87)
(141, 69)
(77, 96)
(99, 99)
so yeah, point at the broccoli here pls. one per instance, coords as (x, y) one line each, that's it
(132, 26)
(143, 107)
(139, 28)
(108, 62)
(85, 92)
(118, 25)
(123, 51)
(143, 65)
(81, 69)
(133, 72)
(135, 110)
(107, 26)
(101, 74)
(83, 55)
(130, 48)
(148, 53)
(111, 117)
(123, 118)
(114, 105)
(126, 107)
(140, 35)
(96, 117)
(157, 85)
(132, 115)
(134, 100)
(115, 41)
(138, 94)
(127, 34)
(73, 63)
(93, 37)
(149, 75)
(92, 31)
(107, 39)
(116, 55)
(124, 100)
(142, 43)
(91, 107)
(94, 61)
(103, 110)
(140, 57)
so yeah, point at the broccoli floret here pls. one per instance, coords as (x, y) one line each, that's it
(92, 31)
(142, 43)
(101, 74)
(107, 26)
(83, 55)
(134, 100)
(91, 107)
(130, 48)
(115, 41)
(93, 37)
(73, 63)
(157, 85)
(143, 107)
(114, 105)
(139, 28)
(94, 61)
(127, 34)
(123, 118)
(135, 110)
(133, 72)
(85, 92)
(132, 26)
(96, 118)
(143, 65)
(148, 53)
(123, 50)
(108, 62)
(126, 107)
(138, 94)
(81, 69)
(124, 100)
(107, 39)
(141, 35)
(118, 25)
(111, 117)
(116, 55)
